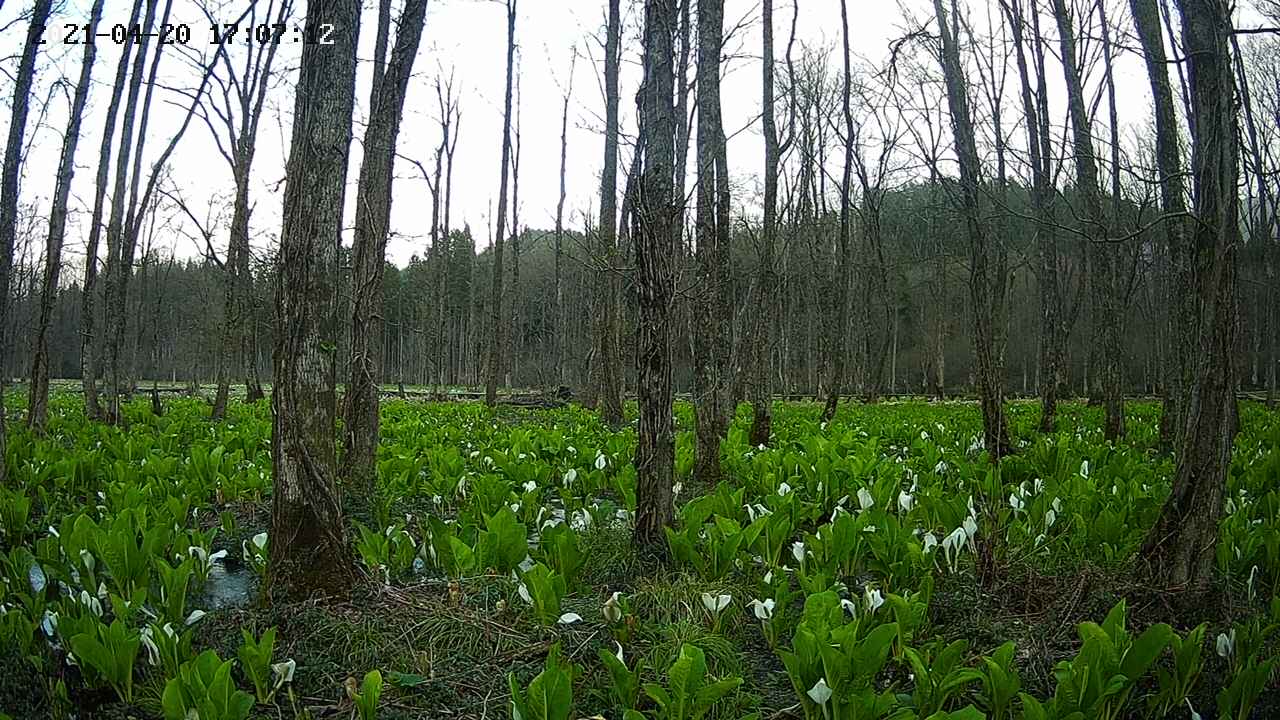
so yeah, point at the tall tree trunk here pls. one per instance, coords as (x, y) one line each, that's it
(241, 112)
(9, 193)
(559, 335)
(1046, 240)
(1262, 223)
(90, 358)
(368, 255)
(761, 394)
(38, 401)
(710, 314)
(116, 220)
(657, 237)
(450, 114)
(515, 338)
(990, 370)
(121, 234)
(309, 550)
(840, 346)
(1169, 163)
(1179, 550)
(1051, 260)
(1103, 257)
(607, 368)
(497, 337)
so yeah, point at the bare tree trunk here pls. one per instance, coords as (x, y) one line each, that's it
(761, 394)
(1180, 548)
(657, 236)
(1261, 228)
(1103, 258)
(1046, 240)
(90, 359)
(710, 313)
(309, 550)
(9, 193)
(38, 402)
(1272, 299)
(1118, 286)
(241, 111)
(840, 346)
(1181, 313)
(497, 338)
(120, 369)
(990, 370)
(1064, 314)
(116, 220)
(608, 370)
(515, 339)
(558, 338)
(373, 217)
(442, 190)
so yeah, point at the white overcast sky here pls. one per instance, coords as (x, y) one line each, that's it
(466, 37)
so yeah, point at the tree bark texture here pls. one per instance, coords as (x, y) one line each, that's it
(9, 176)
(657, 236)
(90, 357)
(844, 271)
(711, 311)
(1104, 262)
(990, 370)
(373, 217)
(38, 399)
(497, 337)
(1179, 550)
(607, 369)
(309, 553)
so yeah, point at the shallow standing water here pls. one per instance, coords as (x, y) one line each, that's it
(230, 585)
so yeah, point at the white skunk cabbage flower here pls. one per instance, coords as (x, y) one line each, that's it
(952, 545)
(1226, 644)
(819, 693)
(797, 551)
(716, 604)
(91, 602)
(874, 599)
(1016, 502)
(283, 671)
(865, 501)
(153, 651)
(763, 609)
(906, 501)
(612, 611)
